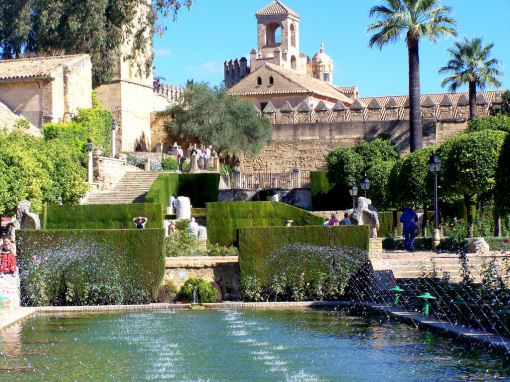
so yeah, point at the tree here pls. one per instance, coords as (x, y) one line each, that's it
(417, 19)
(493, 122)
(469, 166)
(470, 64)
(502, 189)
(376, 151)
(345, 166)
(96, 27)
(213, 117)
(378, 193)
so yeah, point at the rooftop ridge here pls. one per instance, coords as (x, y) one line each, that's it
(276, 8)
(43, 58)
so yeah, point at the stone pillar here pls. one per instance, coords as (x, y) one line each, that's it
(296, 177)
(183, 210)
(237, 179)
(193, 163)
(216, 161)
(90, 168)
(147, 164)
(113, 144)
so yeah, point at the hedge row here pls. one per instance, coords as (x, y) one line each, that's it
(200, 188)
(325, 195)
(224, 218)
(101, 216)
(267, 254)
(89, 267)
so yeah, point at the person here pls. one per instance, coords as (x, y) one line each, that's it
(346, 220)
(172, 228)
(333, 220)
(193, 150)
(140, 222)
(326, 222)
(193, 228)
(200, 157)
(8, 263)
(180, 155)
(409, 219)
(207, 156)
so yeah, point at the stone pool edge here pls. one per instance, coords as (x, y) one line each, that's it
(464, 334)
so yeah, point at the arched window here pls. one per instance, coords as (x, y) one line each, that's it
(292, 35)
(259, 80)
(271, 80)
(273, 34)
(293, 62)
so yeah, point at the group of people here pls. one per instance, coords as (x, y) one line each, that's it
(334, 221)
(203, 155)
(8, 263)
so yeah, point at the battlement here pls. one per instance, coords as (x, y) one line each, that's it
(439, 107)
(171, 93)
(235, 71)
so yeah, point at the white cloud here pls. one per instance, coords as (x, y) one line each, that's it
(207, 68)
(162, 52)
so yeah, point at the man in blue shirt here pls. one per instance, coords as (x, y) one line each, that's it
(409, 219)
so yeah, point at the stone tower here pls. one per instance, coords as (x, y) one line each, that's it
(322, 66)
(129, 94)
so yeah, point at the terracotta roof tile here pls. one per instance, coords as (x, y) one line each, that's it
(392, 103)
(374, 104)
(287, 82)
(276, 8)
(463, 100)
(480, 99)
(446, 101)
(33, 68)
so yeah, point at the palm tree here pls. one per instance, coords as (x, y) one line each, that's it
(415, 18)
(469, 64)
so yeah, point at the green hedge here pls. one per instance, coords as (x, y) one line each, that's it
(267, 254)
(200, 188)
(102, 216)
(224, 218)
(90, 267)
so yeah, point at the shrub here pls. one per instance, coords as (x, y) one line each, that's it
(80, 267)
(219, 250)
(102, 216)
(496, 122)
(224, 218)
(205, 293)
(168, 292)
(180, 244)
(169, 164)
(376, 151)
(345, 166)
(200, 188)
(379, 175)
(502, 189)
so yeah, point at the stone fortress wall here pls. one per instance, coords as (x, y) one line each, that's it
(305, 138)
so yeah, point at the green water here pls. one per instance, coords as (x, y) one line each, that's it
(235, 346)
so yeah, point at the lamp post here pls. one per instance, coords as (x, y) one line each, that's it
(365, 184)
(90, 148)
(434, 165)
(353, 191)
(114, 128)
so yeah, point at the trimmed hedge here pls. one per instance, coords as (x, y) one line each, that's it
(89, 267)
(102, 216)
(224, 218)
(267, 254)
(200, 188)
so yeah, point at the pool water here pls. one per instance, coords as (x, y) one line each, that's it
(233, 345)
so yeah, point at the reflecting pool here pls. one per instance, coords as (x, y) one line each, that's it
(233, 345)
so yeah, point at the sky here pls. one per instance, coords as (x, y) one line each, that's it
(212, 31)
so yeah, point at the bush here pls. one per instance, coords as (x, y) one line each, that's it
(502, 189)
(376, 151)
(169, 164)
(180, 244)
(256, 244)
(168, 292)
(200, 188)
(102, 216)
(218, 250)
(345, 167)
(300, 263)
(378, 193)
(205, 293)
(224, 218)
(82, 267)
(497, 122)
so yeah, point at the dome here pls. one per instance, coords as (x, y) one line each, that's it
(321, 57)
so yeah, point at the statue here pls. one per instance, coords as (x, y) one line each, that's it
(366, 214)
(26, 219)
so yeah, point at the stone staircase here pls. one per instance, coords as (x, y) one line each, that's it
(132, 188)
(415, 265)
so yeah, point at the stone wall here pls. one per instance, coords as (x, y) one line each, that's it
(307, 144)
(223, 271)
(109, 171)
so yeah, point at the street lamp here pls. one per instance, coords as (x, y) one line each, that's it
(365, 184)
(90, 147)
(353, 191)
(114, 128)
(434, 165)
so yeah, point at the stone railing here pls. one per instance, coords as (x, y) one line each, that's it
(171, 93)
(109, 171)
(265, 181)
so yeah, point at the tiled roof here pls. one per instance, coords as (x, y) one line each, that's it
(488, 96)
(33, 68)
(276, 8)
(285, 82)
(8, 119)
